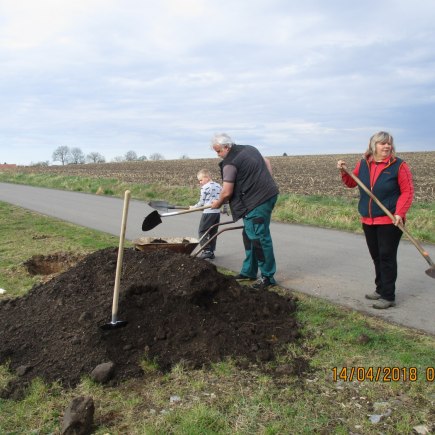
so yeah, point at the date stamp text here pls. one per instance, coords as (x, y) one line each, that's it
(382, 374)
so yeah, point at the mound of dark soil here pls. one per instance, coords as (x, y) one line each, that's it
(178, 308)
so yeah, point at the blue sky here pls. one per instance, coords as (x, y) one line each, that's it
(311, 77)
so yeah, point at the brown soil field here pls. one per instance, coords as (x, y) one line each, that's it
(304, 175)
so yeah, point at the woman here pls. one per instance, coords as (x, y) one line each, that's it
(390, 180)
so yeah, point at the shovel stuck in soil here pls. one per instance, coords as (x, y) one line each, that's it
(115, 323)
(431, 271)
(154, 218)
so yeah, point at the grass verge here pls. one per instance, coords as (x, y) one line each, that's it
(317, 396)
(25, 234)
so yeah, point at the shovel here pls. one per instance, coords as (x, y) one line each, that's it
(164, 205)
(154, 218)
(115, 323)
(431, 271)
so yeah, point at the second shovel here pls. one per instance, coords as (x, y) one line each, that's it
(154, 218)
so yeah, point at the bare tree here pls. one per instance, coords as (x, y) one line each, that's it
(131, 156)
(77, 156)
(156, 156)
(61, 154)
(95, 157)
(118, 159)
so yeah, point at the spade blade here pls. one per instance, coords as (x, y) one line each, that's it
(431, 272)
(114, 325)
(151, 221)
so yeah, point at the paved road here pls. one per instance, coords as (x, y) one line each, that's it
(329, 264)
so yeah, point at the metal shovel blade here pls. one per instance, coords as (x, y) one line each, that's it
(114, 325)
(151, 221)
(431, 272)
(164, 205)
(154, 218)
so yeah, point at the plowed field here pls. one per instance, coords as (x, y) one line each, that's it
(305, 175)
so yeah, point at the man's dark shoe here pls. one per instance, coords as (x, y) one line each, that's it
(373, 296)
(262, 283)
(241, 277)
(383, 304)
(206, 255)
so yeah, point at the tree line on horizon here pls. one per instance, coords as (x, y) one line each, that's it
(75, 156)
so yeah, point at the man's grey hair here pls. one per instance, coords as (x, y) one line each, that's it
(221, 139)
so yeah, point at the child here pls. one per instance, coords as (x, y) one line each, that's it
(209, 192)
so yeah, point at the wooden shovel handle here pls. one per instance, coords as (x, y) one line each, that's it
(127, 195)
(389, 214)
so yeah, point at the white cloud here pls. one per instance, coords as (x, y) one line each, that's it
(111, 75)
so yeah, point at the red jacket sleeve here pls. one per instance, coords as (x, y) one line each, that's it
(348, 180)
(406, 190)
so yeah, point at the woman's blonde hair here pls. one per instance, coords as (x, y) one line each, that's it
(380, 137)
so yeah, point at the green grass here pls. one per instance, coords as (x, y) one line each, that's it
(226, 398)
(322, 211)
(25, 234)
(342, 214)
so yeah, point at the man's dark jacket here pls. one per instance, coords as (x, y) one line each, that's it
(254, 183)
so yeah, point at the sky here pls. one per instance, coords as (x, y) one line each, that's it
(287, 76)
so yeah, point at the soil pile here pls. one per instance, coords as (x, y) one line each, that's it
(178, 308)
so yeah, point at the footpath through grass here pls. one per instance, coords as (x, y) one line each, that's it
(322, 211)
(353, 373)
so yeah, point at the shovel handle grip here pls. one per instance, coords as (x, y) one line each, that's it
(389, 214)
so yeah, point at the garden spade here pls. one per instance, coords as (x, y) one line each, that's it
(431, 271)
(164, 205)
(115, 323)
(154, 218)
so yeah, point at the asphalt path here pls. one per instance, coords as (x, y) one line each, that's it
(329, 264)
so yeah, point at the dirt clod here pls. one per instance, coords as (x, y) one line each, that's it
(178, 309)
